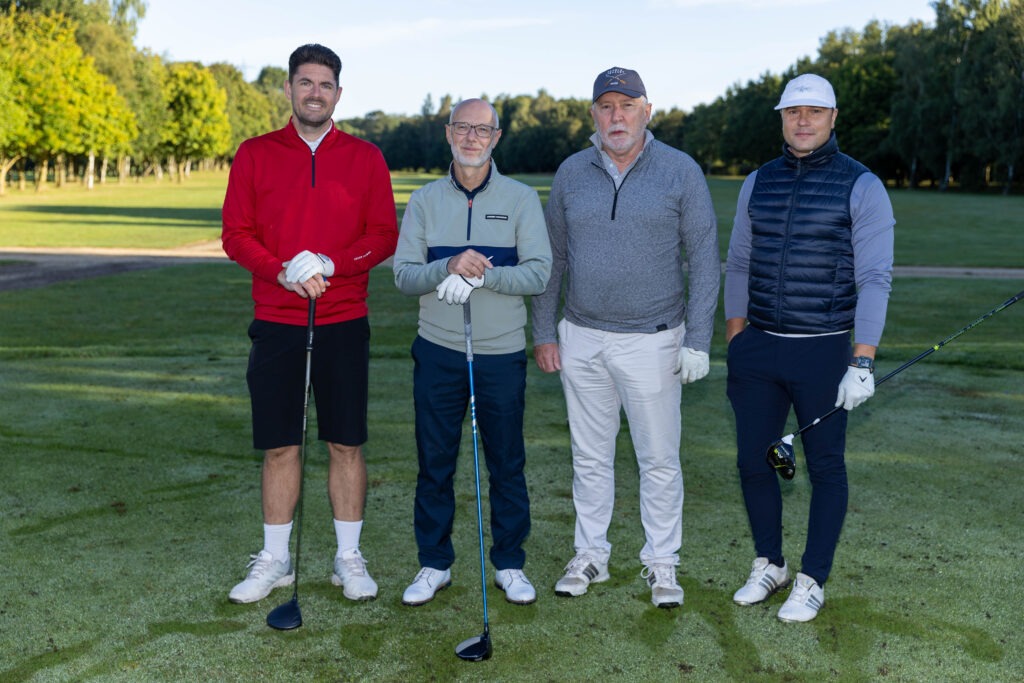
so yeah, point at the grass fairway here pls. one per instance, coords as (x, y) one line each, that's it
(951, 230)
(131, 502)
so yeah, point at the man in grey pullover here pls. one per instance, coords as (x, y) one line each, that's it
(624, 218)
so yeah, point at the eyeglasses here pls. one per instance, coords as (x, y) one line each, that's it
(483, 132)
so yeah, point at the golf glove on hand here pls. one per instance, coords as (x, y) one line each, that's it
(306, 264)
(692, 365)
(858, 385)
(455, 289)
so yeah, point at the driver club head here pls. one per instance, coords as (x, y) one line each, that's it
(780, 457)
(286, 616)
(475, 649)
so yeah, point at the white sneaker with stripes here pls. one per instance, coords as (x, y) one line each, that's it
(581, 571)
(765, 580)
(804, 601)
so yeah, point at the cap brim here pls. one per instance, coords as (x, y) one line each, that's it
(624, 91)
(805, 103)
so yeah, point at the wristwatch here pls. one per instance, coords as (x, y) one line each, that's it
(863, 362)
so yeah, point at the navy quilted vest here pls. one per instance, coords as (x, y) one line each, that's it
(801, 260)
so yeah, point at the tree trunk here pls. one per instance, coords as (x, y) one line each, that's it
(42, 168)
(90, 171)
(6, 164)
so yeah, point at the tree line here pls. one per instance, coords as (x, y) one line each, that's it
(924, 104)
(920, 104)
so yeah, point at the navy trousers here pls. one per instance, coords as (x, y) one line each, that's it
(441, 394)
(767, 375)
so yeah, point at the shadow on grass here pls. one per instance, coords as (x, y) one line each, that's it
(205, 215)
(851, 630)
(55, 656)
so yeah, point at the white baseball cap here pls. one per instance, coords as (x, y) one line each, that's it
(808, 90)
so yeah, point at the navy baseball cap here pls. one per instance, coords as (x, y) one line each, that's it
(617, 79)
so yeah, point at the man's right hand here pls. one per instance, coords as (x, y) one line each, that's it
(315, 287)
(547, 357)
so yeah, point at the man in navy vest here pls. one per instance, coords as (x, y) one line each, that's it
(809, 267)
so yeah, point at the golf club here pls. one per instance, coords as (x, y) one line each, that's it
(780, 454)
(477, 648)
(288, 616)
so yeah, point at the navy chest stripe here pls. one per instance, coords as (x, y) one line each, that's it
(500, 256)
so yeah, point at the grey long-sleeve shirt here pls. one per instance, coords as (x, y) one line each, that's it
(621, 251)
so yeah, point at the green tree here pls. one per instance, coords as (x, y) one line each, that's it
(271, 83)
(50, 94)
(151, 114)
(14, 124)
(197, 127)
(956, 23)
(993, 93)
(248, 109)
(751, 134)
(107, 126)
(702, 137)
(860, 66)
(917, 112)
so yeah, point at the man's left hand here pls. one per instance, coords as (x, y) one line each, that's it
(455, 289)
(858, 385)
(692, 365)
(306, 264)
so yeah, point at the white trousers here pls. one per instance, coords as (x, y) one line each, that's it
(603, 372)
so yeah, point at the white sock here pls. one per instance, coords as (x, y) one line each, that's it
(275, 540)
(348, 535)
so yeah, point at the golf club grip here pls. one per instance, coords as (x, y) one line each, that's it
(311, 324)
(467, 320)
(1006, 304)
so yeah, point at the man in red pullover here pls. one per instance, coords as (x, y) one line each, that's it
(309, 211)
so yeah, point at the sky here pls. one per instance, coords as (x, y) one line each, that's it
(397, 53)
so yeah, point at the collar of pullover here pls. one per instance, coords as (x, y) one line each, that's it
(470, 193)
(820, 156)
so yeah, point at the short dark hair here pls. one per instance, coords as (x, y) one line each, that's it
(312, 53)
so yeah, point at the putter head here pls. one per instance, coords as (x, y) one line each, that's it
(780, 457)
(285, 617)
(475, 649)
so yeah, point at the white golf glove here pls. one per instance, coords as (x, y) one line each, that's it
(456, 289)
(858, 385)
(692, 365)
(306, 264)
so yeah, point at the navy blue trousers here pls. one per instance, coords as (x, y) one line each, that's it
(441, 394)
(769, 374)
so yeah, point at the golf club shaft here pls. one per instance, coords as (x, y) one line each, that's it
(302, 448)
(467, 319)
(924, 354)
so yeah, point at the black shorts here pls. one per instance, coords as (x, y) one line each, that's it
(338, 376)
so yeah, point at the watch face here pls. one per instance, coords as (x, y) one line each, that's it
(863, 362)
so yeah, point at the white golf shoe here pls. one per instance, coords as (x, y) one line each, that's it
(425, 586)
(517, 587)
(665, 590)
(764, 581)
(804, 601)
(581, 571)
(265, 574)
(350, 572)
